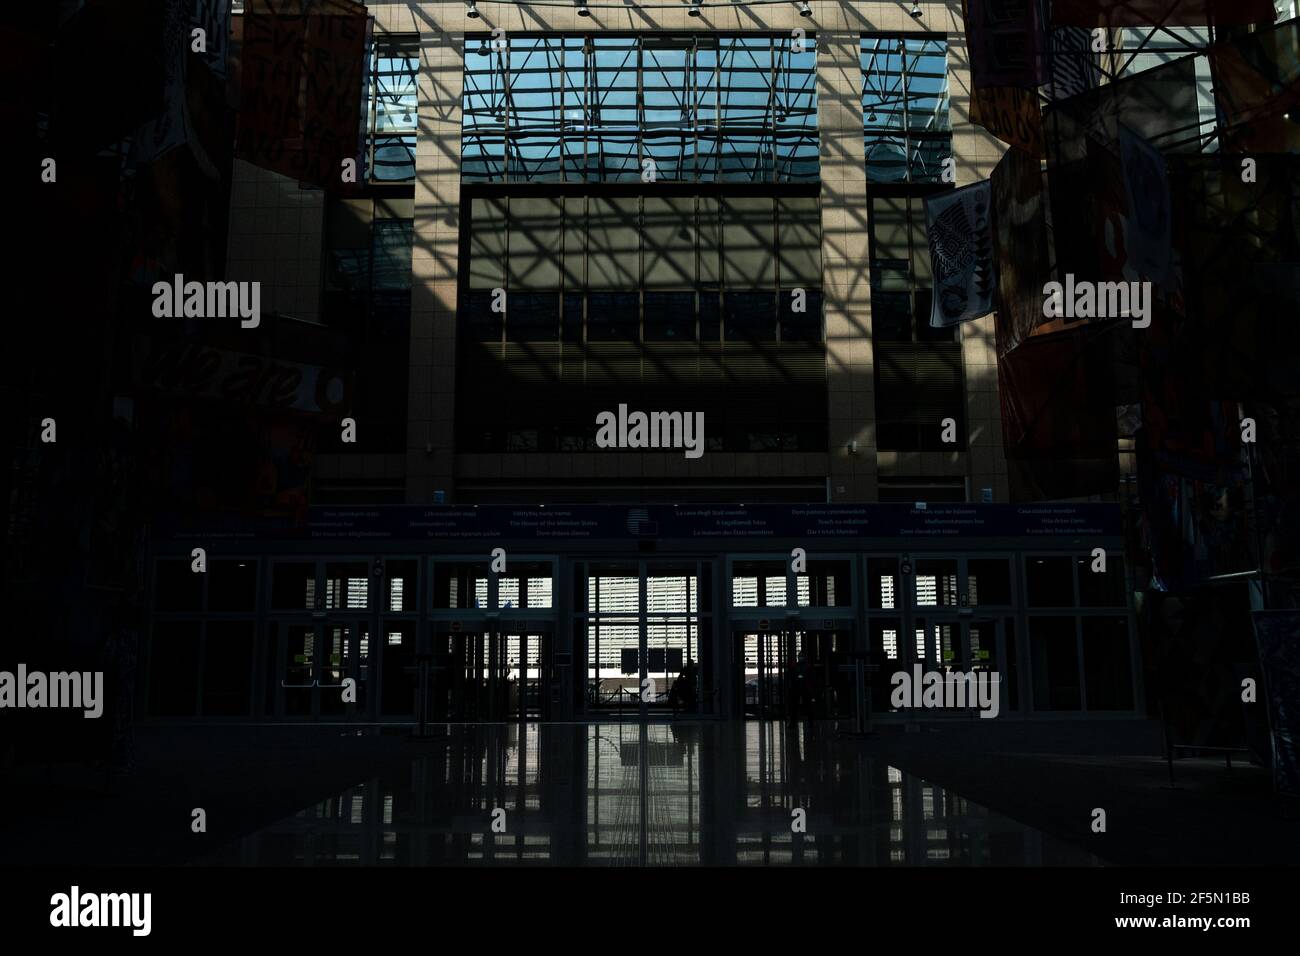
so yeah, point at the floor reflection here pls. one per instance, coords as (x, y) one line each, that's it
(658, 794)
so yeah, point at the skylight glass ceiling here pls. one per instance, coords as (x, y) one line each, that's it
(607, 108)
(905, 109)
(391, 106)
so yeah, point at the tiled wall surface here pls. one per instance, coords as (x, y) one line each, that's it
(275, 239)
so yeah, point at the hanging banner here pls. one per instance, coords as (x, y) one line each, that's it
(1146, 187)
(1072, 67)
(170, 128)
(194, 370)
(1167, 13)
(1193, 529)
(1057, 398)
(1277, 635)
(1023, 259)
(213, 18)
(1257, 89)
(1011, 114)
(960, 227)
(111, 75)
(303, 66)
(1005, 38)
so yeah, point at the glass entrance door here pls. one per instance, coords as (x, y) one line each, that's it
(343, 656)
(314, 663)
(761, 655)
(472, 680)
(530, 673)
(792, 671)
(295, 677)
(949, 645)
(645, 627)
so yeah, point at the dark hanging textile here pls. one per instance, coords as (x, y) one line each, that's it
(303, 65)
(1257, 90)
(1170, 13)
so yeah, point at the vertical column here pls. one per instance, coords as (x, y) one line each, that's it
(988, 463)
(976, 153)
(434, 262)
(850, 367)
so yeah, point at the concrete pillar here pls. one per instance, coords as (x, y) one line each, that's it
(850, 370)
(434, 263)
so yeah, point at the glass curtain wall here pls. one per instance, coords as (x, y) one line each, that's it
(615, 109)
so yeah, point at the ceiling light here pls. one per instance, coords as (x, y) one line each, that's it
(915, 11)
(472, 12)
(483, 48)
(694, 11)
(582, 9)
(804, 9)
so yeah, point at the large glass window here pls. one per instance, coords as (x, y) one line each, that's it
(907, 129)
(367, 294)
(1080, 660)
(392, 101)
(694, 108)
(675, 293)
(918, 369)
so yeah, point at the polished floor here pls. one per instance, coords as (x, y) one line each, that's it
(626, 794)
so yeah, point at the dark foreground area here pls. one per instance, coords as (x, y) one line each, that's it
(677, 793)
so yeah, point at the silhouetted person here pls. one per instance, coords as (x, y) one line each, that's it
(797, 683)
(683, 689)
